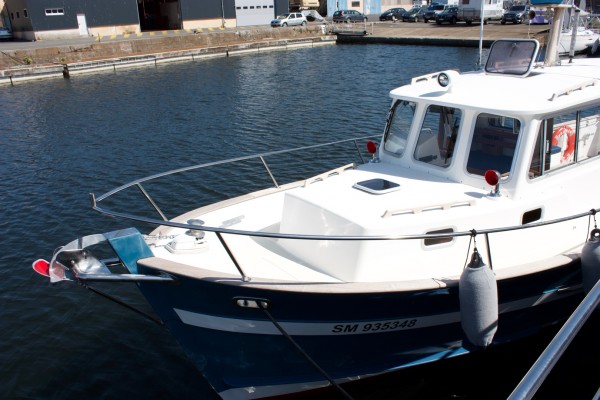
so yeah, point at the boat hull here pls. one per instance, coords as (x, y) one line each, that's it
(234, 342)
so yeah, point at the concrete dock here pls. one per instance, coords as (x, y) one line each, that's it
(41, 59)
(461, 34)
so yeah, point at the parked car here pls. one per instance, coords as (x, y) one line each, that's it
(516, 14)
(289, 20)
(349, 16)
(393, 14)
(415, 14)
(449, 15)
(433, 10)
(5, 34)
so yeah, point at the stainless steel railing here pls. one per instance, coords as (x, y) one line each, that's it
(164, 221)
(544, 364)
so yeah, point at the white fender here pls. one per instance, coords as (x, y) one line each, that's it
(590, 261)
(478, 295)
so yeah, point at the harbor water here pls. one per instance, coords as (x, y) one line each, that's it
(63, 139)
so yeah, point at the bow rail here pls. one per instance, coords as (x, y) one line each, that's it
(164, 221)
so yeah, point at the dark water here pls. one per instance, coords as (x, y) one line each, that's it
(62, 139)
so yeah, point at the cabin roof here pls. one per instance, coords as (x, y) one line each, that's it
(544, 90)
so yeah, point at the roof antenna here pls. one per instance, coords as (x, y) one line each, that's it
(481, 16)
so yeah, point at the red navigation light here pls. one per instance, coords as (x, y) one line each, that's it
(42, 267)
(492, 177)
(371, 147)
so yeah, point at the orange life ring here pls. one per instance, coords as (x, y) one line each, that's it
(564, 137)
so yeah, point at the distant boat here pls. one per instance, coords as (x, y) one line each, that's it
(585, 40)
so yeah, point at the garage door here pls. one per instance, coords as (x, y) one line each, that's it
(254, 12)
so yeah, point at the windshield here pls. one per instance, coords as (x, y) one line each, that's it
(517, 8)
(284, 16)
(399, 121)
(439, 132)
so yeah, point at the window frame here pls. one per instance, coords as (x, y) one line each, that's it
(494, 141)
(390, 124)
(543, 160)
(447, 146)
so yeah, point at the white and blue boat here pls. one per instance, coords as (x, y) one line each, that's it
(462, 229)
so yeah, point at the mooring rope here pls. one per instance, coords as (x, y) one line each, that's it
(122, 303)
(591, 216)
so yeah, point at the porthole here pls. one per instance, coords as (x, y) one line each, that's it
(438, 240)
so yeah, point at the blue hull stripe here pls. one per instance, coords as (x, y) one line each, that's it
(336, 328)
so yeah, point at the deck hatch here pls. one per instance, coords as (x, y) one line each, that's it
(512, 57)
(377, 186)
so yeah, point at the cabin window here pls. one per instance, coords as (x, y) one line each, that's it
(438, 135)
(400, 119)
(566, 139)
(589, 133)
(494, 144)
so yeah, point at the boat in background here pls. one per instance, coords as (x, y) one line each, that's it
(586, 41)
(576, 36)
(462, 228)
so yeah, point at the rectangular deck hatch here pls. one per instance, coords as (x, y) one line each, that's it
(512, 56)
(377, 186)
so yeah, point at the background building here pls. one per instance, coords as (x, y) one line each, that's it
(53, 19)
(43, 19)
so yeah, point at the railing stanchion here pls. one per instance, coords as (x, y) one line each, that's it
(269, 171)
(139, 185)
(244, 277)
(489, 250)
(359, 152)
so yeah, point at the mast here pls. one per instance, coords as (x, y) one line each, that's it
(481, 11)
(554, 35)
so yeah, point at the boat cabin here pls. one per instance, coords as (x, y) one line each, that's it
(445, 134)
(518, 125)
